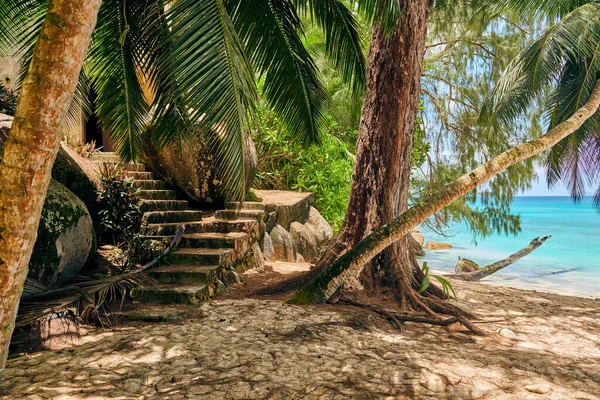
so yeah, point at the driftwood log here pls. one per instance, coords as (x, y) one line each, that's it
(497, 266)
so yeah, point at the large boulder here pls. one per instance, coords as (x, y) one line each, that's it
(431, 245)
(416, 246)
(283, 244)
(416, 234)
(66, 239)
(189, 166)
(283, 207)
(80, 175)
(268, 250)
(319, 227)
(464, 265)
(304, 241)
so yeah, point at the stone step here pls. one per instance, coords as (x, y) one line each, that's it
(156, 217)
(140, 175)
(187, 256)
(137, 167)
(158, 194)
(239, 241)
(149, 184)
(207, 225)
(187, 274)
(240, 214)
(163, 205)
(246, 205)
(165, 293)
(106, 157)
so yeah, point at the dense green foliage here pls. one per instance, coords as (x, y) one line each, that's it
(8, 101)
(324, 169)
(121, 217)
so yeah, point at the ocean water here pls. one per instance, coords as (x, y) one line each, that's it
(568, 262)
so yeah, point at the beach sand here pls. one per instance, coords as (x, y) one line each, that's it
(262, 348)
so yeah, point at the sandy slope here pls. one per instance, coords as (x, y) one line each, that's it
(255, 348)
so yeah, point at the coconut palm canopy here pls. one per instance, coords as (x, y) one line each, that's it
(560, 69)
(175, 68)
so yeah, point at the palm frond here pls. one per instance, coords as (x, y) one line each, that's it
(381, 12)
(343, 44)
(113, 65)
(270, 31)
(213, 79)
(37, 303)
(540, 65)
(550, 9)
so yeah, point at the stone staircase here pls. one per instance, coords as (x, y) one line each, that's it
(215, 249)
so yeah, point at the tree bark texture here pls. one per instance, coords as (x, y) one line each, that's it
(498, 265)
(33, 142)
(383, 160)
(352, 262)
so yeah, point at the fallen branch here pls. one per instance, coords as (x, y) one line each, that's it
(497, 266)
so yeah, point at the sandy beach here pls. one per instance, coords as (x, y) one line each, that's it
(539, 346)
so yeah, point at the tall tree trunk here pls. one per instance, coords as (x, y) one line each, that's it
(383, 159)
(33, 142)
(352, 262)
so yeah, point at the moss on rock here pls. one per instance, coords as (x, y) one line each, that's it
(65, 237)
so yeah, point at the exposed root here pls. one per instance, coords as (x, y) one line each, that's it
(395, 318)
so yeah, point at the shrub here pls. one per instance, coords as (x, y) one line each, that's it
(326, 169)
(121, 217)
(8, 101)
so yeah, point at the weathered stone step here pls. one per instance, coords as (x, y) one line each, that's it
(239, 214)
(173, 294)
(163, 205)
(246, 205)
(106, 157)
(149, 184)
(158, 194)
(234, 240)
(187, 256)
(156, 217)
(186, 274)
(207, 225)
(125, 166)
(141, 175)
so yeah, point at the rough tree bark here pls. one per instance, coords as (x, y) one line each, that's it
(383, 161)
(322, 287)
(498, 265)
(33, 143)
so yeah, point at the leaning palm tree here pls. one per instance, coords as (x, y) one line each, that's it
(187, 66)
(561, 69)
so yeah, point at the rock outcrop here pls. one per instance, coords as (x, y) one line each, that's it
(319, 227)
(190, 166)
(65, 239)
(416, 246)
(431, 245)
(304, 241)
(80, 175)
(268, 251)
(283, 244)
(464, 265)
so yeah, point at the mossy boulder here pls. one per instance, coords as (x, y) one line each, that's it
(80, 175)
(189, 166)
(66, 238)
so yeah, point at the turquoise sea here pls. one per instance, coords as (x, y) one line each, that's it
(569, 262)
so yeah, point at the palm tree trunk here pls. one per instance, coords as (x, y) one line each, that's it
(33, 142)
(322, 287)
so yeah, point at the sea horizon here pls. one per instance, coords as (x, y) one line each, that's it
(568, 263)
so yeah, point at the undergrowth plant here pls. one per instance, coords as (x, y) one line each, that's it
(121, 217)
(325, 169)
(446, 285)
(8, 100)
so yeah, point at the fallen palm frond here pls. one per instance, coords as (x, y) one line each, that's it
(91, 296)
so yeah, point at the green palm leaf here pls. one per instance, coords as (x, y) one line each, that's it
(113, 65)
(213, 79)
(270, 30)
(343, 44)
